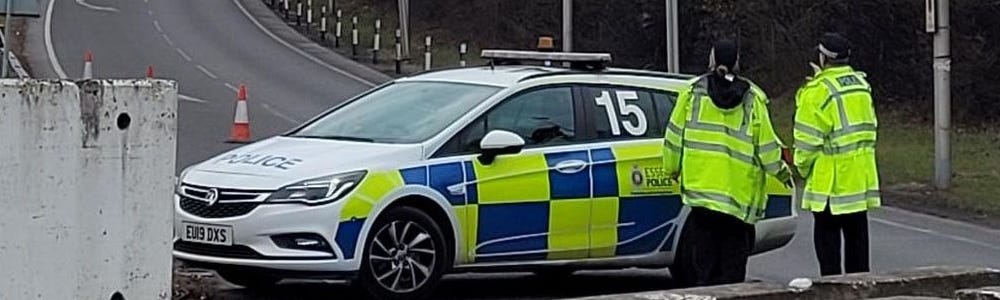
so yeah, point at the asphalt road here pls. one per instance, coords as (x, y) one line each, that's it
(210, 47)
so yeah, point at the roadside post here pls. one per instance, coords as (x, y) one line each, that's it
(322, 24)
(427, 52)
(298, 13)
(354, 37)
(337, 34)
(376, 41)
(309, 15)
(399, 52)
(285, 8)
(462, 48)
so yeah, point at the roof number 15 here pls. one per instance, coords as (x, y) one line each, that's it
(637, 128)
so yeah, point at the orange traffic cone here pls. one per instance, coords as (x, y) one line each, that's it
(241, 120)
(149, 71)
(88, 69)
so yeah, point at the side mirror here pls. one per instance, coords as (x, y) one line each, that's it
(499, 142)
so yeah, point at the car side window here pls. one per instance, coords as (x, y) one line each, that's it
(625, 113)
(542, 117)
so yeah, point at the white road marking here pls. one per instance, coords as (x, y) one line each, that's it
(157, 25)
(937, 234)
(189, 98)
(297, 50)
(207, 73)
(167, 38)
(279, 114)
(183, 54)
(95, 7)
(53, 60)
(230, 86)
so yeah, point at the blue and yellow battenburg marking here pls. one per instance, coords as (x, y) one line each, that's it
(521, 208)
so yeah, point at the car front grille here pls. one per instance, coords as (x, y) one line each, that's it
(209, 202)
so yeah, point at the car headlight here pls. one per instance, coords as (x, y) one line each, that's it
(320, 190)
(180, 179)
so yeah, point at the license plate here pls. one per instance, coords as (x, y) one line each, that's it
(208, 234)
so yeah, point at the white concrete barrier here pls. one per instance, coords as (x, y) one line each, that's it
(86, 177)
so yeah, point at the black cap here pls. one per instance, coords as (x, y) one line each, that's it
(835, 46)
(725, 53)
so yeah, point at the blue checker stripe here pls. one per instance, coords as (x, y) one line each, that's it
(605, 179)
(511, 220)
(568, 186)
(646, 213)
(445, 175)
(417, 175)
(471, 190)
(669, 245)
(778, 206)
(347, 236)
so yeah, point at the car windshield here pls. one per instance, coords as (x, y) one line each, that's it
(403, 112)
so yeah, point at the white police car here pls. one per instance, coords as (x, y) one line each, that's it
(495, 168)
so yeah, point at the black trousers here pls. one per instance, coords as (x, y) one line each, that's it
(721, 246)
(827, 232)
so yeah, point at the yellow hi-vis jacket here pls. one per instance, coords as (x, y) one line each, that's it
(723, 155)
(835, 127)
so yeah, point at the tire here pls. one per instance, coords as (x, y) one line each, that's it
(409, 267)
(248, 279)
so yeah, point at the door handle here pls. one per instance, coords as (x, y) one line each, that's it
(571, 166)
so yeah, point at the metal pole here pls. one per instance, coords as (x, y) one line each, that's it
(567, 35)
(673, 52)
(942, 98)
(404, 26)
(298, 13)
(6, 40)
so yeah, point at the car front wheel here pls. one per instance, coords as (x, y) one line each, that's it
(405, 256)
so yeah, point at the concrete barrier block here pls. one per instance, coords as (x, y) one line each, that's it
(985, 293)
(941, 281)
(87, 175)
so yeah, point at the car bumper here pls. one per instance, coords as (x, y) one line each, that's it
(252, 243)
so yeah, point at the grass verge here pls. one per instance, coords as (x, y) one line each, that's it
(906, 166)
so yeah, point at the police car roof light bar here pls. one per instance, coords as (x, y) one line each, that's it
(586, 61)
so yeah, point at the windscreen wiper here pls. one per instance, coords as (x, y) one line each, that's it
(336, 137)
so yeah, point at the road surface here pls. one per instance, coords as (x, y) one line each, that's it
(210, 47)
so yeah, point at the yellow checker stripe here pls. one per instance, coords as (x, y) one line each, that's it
(369, 193)
(568, 237)
(513, 179)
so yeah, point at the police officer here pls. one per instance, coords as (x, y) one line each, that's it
(835, 153)
(721, 143)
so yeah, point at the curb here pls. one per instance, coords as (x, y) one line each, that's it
(945, 282)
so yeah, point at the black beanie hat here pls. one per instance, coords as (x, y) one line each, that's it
(835, 46)
(725, 53)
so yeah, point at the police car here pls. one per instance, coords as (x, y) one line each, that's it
(513, 166)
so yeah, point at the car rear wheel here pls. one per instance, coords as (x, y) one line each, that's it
(405, 256)
(248, 280)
